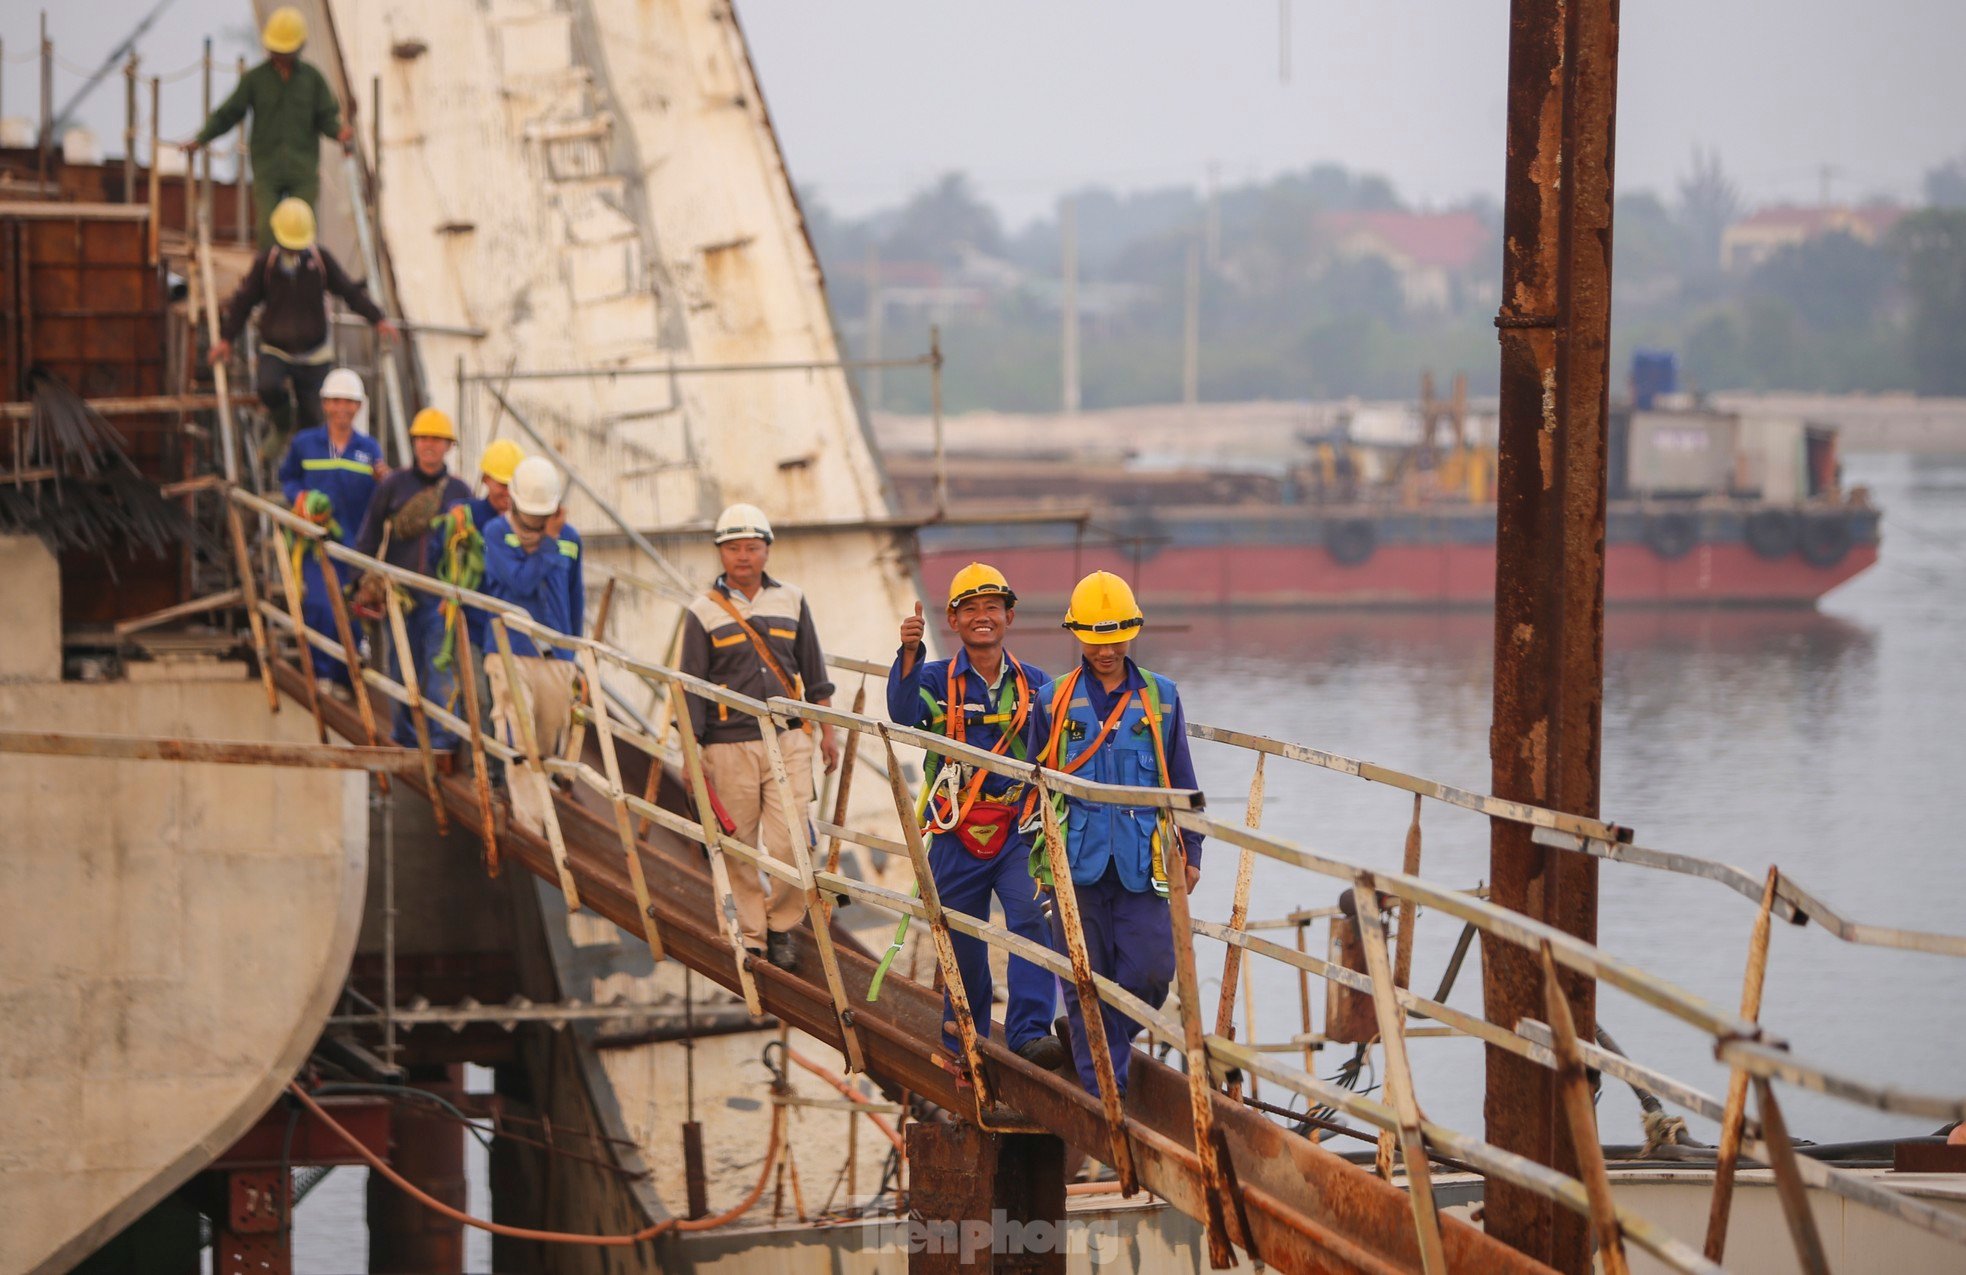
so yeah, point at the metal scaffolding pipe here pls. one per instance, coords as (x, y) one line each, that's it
(929, 360)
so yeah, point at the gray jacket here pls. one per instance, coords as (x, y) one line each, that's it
(716, 650)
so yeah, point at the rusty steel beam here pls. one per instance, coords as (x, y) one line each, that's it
(143, 405)
(236, 752)
(1307, 1209)
(1545, 744)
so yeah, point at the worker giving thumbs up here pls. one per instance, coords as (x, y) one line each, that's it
(912, 629)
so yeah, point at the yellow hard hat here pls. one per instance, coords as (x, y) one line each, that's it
(979, 579)
(433, 422)
(293, 224)
(285, 30)
(1103, 610)
(501, 458)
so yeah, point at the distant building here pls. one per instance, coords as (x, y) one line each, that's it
(1430, 252)
(1753, 239)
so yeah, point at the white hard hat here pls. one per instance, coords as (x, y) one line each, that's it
(536, 487)
(343, 383)
(743, 522)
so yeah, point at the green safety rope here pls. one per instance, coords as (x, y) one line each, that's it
(463, 565)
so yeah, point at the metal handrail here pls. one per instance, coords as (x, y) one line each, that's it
(1576, 833)
(1740, 1042)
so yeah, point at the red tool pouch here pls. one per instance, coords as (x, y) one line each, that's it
(986, 829)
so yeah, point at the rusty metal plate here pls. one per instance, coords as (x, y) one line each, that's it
(256, 1201)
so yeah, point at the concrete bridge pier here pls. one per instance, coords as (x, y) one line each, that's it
(984, 1202)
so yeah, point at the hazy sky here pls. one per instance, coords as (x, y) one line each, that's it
(1033, 96)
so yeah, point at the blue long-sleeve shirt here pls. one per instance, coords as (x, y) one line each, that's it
(1180, 763)
(482, 513)
(546, 582)
(907, 706)
(345, 475)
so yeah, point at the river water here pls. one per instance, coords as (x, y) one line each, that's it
(1828, 742)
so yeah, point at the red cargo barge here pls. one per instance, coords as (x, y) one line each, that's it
(1293, 557)
(1707, 508)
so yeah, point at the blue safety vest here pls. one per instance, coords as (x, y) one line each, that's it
(1124, 836)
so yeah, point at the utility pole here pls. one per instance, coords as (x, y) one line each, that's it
(1191, 330)
(1546, 743)
(1068, 265)
(875, 314)
(1283, 41)
(1212, 216)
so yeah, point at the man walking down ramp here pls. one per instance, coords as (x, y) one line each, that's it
(982, 697)
(407, 527)
(1113, 722)
(288, 284)
(292, 109)
(328, 477)
(754, 635)
(533, 560)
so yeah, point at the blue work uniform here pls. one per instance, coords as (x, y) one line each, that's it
(346, 476)
(424, 617)
(1129, 936)
(483, 512)
(965, 882)
(546, 582)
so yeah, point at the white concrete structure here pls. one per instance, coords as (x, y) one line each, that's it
(595, 184)
(30, 636)
(172, 938)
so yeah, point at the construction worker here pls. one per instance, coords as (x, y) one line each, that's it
(329, 476)
(408, 526)
(754, 635)
(532, 559)
(981, 697)
(289, 284)
(1113, 722)
(495, 470)
(292, 108)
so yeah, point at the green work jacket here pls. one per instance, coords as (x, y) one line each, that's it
(290, 115)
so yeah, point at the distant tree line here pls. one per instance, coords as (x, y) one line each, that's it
(1285, 314)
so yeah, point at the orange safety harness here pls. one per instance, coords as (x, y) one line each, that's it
(983, 827)
(1062, 696)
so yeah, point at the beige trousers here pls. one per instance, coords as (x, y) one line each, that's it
(741, 775)
(546, 692)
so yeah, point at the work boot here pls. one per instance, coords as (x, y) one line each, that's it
(780, 950)
(1045, 1052)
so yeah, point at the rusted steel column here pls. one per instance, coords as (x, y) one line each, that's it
(427, 1147)
(1549, 572)
(982, 1201)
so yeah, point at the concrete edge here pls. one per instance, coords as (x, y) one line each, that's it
(308, 1023)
